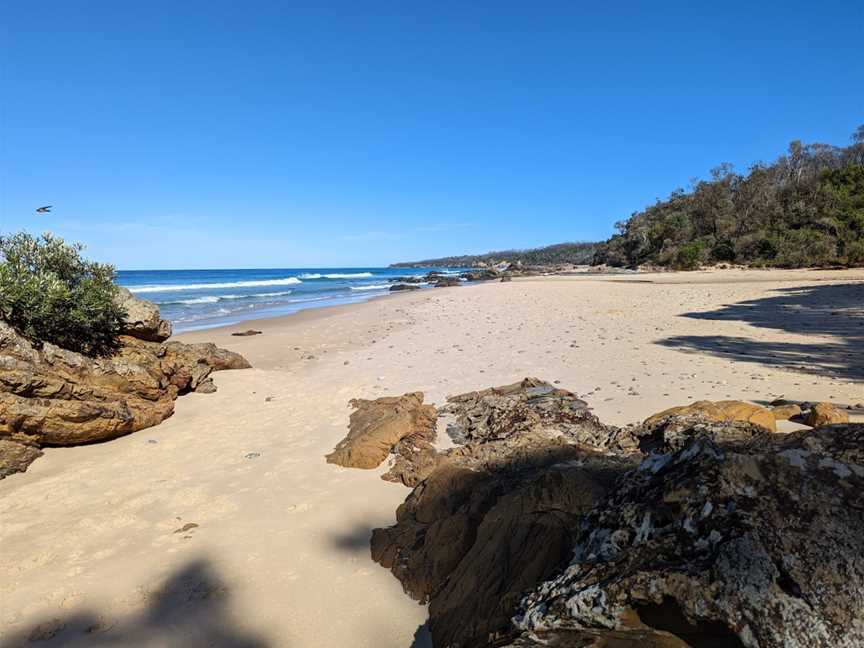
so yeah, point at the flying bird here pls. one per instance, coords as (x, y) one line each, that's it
(44, 210)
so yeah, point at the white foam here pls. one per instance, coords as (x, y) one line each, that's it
(212, 299)
(373, 287)
(210, 286)
(356, 275)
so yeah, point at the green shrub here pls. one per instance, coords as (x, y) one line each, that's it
(689, 256)
(49, 293)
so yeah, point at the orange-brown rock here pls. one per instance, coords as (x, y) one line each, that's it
(376, 426)
(825, 414)
(722, 411)
(51, 396)
(15, 457)
(785, 412)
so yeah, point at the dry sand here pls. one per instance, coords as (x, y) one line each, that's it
(92, 540)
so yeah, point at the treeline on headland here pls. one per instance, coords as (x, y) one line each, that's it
(551, 255)
(806, 209)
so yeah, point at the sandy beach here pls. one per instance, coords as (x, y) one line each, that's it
(224, 526)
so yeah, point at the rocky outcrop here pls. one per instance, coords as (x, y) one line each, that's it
(142, 319)
(722, 411)
(377, 426)
(400, 287)
(688, 531)
(447, 282)
(714, 546)
(51, 396)
(493, 515)
(825, 414)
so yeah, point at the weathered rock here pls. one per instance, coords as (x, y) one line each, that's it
(483, 527)
(376, 426)
(502, 412)
(16, 457)
(825, 414)
(246, 333)
(724, 535)
(506, 278)
(727, 410)
(488, 518)
(447, 282)
(142, 319)
(50, 396)
(398, 287)
(785, 412)
(713, 546)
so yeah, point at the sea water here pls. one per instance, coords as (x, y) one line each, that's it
(197, 299)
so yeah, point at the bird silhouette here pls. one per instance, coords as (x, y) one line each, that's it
(44, 210)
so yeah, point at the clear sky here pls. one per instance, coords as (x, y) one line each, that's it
(278, 134)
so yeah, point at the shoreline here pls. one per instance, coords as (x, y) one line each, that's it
(280, 547)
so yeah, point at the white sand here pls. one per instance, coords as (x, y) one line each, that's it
(280, 553)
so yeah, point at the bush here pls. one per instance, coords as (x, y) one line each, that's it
(49, 293)
(689, 256)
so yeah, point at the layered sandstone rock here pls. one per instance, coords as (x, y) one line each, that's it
(723, 411)
(51, 396)
(825, 414)
(142, 319)
(378, 425)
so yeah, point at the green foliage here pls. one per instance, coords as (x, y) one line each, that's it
(562, 253)
(804, 210)
(689, 256)
(50, 293)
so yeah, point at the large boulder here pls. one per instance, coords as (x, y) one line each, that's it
(142, 319)
(722, 411)
(51, 396)
(760, 545)
(377, 426)
(825, 414)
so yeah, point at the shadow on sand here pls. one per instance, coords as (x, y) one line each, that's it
(191, 609)
(833, 310)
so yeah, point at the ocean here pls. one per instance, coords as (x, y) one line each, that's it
(199, 299)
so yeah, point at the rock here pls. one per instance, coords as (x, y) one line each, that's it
(376, 426)
(409, 280)
(712, 546)
(488, 518)
(397, 287)
(16, 457)
(142, 319)
(246, 333)
(479, 531)
(481, 275)
(51, 396)
(721, 411)
(502, 412)
(447, 282)
(689, 531)
(785, 412)
(825, 414)
(506, 278)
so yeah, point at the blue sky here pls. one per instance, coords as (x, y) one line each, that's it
(278, 134)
